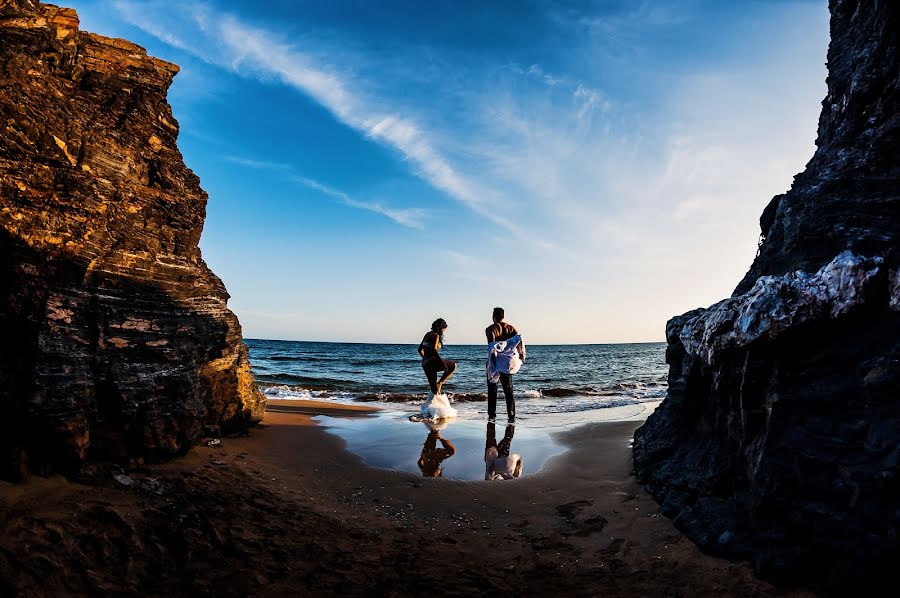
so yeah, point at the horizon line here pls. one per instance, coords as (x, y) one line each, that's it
(279, 340)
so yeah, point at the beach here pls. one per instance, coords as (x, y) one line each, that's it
(705, 277)
(288, 510)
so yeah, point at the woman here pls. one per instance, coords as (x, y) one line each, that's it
(432, 457)
(432, 362)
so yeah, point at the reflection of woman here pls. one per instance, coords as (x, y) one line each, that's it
(432, 362)
(499, 464)
(430, 461)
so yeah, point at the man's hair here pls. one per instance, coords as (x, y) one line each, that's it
(499, 313)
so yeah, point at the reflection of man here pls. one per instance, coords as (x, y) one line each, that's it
(501, 331)
(430, 461)
(498, 463)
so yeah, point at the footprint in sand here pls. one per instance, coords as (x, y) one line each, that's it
(592, 525)
(569, 510)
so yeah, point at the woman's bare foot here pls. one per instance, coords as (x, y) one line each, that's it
(438, 385)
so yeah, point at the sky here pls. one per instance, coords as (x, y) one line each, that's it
(595, 168)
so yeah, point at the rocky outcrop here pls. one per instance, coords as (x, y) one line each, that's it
(115, 338)
(779, 439)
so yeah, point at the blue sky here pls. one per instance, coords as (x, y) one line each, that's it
(593, 167)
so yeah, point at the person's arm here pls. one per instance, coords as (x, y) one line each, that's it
(429, 342)
(521, 348)
(451, 450)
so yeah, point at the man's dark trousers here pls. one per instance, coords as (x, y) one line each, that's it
(506, 382)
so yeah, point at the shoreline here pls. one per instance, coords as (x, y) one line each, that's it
(289, 509)
(312, 408)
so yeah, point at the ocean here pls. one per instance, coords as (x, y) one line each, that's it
(554, 378)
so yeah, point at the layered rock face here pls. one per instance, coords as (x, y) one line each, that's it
(115, 338)
(779, 439)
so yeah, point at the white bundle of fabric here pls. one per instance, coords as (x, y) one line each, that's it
(503, 358)
(437, 407)
(501, 468)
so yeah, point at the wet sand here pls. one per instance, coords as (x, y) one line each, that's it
(288, 511)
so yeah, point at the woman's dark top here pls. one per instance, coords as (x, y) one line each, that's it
(429, 346)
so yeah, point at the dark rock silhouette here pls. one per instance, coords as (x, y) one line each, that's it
(779, 439)
(115, 338)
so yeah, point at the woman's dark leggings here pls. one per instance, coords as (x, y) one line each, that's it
(506, 382)
(435, 365)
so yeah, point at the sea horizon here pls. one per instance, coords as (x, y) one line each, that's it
(554, 378)
(529, 344)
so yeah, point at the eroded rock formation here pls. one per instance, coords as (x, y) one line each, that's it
(115, 338)
(779, 439)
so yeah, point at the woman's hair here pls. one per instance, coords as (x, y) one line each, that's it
(438, 328)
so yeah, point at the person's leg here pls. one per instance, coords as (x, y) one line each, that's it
(491, 437)
(503, 447)
(506, 381)
(449, 370)
(431, 374)
(492, 400)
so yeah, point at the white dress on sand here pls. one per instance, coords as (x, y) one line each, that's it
(437, 407)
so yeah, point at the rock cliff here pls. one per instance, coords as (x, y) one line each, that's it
(779, 439)
(115, 338)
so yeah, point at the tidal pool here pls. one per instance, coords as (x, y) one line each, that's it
(453, 449)
(389, 440)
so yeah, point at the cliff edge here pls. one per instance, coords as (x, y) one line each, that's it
(779, 439)
(115, 338)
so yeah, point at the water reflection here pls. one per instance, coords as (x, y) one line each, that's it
(499, 463)
(432, 457)
(388, 440)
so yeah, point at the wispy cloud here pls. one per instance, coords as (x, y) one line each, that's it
(621, 21)
(498, 179)
(260, 164)
(409, 217)
(466, 266)
(133, 13)
(585, 98)
(249, 50)
(612, 160)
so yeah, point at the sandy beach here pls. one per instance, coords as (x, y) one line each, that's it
(286, 510)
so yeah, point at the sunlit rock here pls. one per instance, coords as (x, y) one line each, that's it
(115, 338)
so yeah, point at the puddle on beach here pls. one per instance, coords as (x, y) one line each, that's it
(391, 441)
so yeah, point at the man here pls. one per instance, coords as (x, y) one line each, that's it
(501, 331)
(499, 464)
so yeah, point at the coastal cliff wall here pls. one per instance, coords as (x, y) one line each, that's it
(779, 439)
(115, 338)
